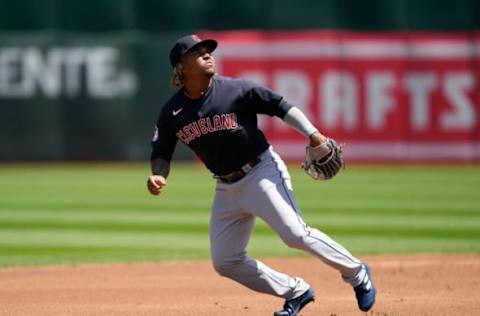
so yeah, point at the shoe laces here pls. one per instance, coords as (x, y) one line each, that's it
(366, 284)
(288, 308)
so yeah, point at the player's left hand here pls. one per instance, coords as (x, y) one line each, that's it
(155, 183)
(324, 161)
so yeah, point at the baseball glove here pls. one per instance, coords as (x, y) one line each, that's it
(324, 161)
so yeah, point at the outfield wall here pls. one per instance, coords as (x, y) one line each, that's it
(390, 96)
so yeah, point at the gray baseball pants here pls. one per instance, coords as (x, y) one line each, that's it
(266, 192)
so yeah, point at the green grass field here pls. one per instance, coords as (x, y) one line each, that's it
(79, 213)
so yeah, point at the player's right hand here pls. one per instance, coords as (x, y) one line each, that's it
(155, 183)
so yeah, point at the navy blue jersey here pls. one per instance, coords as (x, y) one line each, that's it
(221, 126)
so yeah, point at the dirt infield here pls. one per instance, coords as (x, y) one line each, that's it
(407, 285)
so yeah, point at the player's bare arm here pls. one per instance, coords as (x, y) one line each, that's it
(158, 179)
(316, 139)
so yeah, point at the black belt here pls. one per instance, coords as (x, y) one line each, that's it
(239, 174)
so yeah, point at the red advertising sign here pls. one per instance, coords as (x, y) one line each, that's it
(388, 96)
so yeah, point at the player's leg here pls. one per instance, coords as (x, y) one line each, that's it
(230, 230)
(274, 202)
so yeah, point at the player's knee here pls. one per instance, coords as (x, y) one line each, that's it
(295, 240)
(222, 265)
(229, 266)
(224, 269)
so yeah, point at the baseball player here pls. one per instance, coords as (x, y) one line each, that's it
(216, 117)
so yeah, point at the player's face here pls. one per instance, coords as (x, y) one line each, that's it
(198, 61)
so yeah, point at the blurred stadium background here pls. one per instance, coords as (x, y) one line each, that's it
(84, 81)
